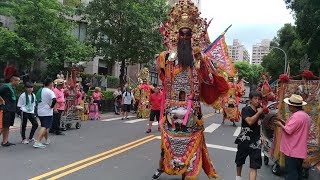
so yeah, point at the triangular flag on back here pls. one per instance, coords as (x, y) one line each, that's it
(217, 53)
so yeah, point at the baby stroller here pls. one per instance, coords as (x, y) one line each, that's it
(94, 113)
(267, 136)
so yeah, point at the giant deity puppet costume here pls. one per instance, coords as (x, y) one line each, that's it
(188, 79)
(142, 93)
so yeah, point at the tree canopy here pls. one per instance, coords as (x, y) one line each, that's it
(126, 31)
(287, 39)
(249, 72)
(45, 25)
(307, 16)
(13, 47)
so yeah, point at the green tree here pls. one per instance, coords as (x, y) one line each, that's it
(126, 31)
(6, 7)
(48, 29)
(44, 24)
(307, 16)
(287, 39)
(250, 72)
(13, 47)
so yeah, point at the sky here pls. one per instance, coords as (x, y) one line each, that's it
(252, 20)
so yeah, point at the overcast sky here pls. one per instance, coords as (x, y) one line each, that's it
(252, 20)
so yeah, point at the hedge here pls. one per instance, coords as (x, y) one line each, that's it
(20, 88)
(106, 95)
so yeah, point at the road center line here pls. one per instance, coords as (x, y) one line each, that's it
(91, 158)
(100, 159)
(212, 127)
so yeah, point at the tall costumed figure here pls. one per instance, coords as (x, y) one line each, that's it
(188, 78)
(142, 94)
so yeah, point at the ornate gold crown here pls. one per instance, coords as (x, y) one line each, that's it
(185, 14)
(144, 74)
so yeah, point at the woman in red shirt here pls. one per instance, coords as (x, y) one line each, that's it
(155, 102)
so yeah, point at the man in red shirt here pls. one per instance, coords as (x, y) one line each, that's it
(155, 102)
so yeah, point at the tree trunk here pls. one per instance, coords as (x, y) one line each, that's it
(122, 75)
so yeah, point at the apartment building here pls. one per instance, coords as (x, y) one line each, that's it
(238, 52)
(259, 50)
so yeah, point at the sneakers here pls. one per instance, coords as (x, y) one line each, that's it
(32, 140)
(157, 174)
(47, 142)
(25, 141)
(59, 133)
(39, 145)
(7, 144)
(238, 178)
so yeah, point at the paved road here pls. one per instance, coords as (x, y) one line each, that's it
(114, 149)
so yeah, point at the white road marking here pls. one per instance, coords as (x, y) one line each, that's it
(134, 121)
(237, 131)
(114, 119)
(208, 115)
(222, 147)
(213, 146)
(212, 127)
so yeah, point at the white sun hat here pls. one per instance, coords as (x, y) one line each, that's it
(295, 100)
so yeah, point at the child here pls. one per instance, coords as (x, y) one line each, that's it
(26, 105)
(97, 96)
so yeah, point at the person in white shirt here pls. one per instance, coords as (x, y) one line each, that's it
(46, 101)
(26, 105)
(127, 98)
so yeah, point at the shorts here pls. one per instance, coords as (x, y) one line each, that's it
(126, 107)
(154, 114)
(244, 151)
(46, 121)
(8, 119)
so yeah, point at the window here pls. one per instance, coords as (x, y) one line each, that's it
(154, 77)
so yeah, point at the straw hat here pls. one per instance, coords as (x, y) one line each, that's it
(295, 100)
(58, 81)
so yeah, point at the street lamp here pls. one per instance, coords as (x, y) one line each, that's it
(285, 57)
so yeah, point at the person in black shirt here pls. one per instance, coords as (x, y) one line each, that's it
(7, 94)
(249, 143)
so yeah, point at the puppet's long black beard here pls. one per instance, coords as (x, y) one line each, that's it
(185, 57)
